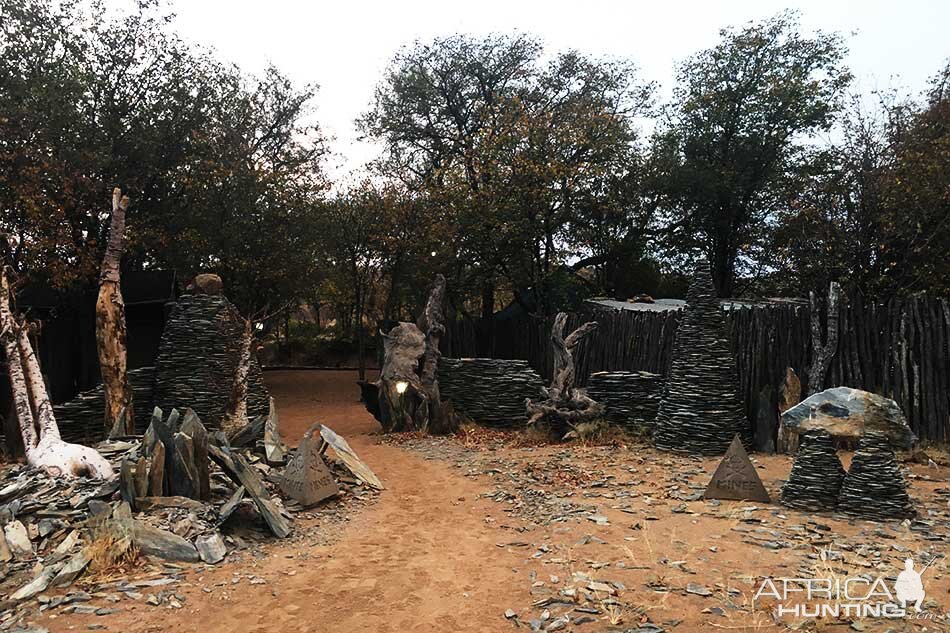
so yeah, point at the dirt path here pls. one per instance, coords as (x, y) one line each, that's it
(421, 559)
(433, 554)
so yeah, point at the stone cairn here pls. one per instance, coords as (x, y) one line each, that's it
(701, 411)
(198, 354)
(80, 419)
(815, 481)
(875, 488)
(490, 391)
(631, 398)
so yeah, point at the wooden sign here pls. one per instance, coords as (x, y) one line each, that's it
(736, 477)
(306, 479)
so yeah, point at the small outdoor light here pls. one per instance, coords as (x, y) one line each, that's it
(401, 387)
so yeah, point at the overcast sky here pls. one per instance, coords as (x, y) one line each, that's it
(344, 45)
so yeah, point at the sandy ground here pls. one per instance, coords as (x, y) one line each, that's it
(448, 548)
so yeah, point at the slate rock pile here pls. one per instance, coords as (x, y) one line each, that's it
(630, 397)
(875, 487)
(197, 356)
(700, 411)
(817, 474)
(490, 391)
(46, 522)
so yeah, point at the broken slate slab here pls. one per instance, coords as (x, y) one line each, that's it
(35, 586)
(211, 548)
(228, 508)
(163, 544)
(18, 540)
(350, 459)
(71, 570)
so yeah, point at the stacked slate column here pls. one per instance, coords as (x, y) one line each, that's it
(701, 411)
(815, 481)
(875, 488)
(197, 358)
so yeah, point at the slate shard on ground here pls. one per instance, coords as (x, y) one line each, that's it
(631, 398)
(874, 487)
(489, 391)
(736, 477)
(817, 474)
(306, 479)
(211, 548)
(700, 411)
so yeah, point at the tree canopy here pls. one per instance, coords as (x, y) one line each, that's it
(525, 175)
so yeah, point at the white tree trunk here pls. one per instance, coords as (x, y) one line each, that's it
(33, 406)
(21, 397)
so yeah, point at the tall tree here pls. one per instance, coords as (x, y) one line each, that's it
(872, 209)
(515, 153)
(733, 131)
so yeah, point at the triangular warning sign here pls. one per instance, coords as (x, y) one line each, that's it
(736, 478)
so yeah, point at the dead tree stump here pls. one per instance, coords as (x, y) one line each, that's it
(564, 406)
(408, 393)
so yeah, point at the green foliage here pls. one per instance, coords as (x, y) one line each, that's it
(733, 133)
(525, 160)
(872, 210)
(221, 169)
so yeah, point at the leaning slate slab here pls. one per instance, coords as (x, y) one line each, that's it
(847, 413)
(350, 459)
(241, 473)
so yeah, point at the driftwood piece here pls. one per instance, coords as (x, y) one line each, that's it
(823, 353)
(564, 406)
(110, 323)
(399, 386)
(436, 419)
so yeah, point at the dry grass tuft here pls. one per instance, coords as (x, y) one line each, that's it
(110, 550)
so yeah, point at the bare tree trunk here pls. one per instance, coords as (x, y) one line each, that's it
(438, 421)
(822, 354)
(236, 415)
(110, 323)
(34, 409)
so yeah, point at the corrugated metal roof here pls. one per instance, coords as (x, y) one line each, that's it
(665, 305)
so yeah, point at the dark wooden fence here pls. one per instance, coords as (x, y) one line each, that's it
(899, 349)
